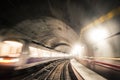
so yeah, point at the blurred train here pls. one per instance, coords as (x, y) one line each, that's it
(15, 53)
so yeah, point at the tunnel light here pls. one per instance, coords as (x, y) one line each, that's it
(97, 34)
(76, 50)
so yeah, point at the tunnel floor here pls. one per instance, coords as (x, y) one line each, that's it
(52, 69)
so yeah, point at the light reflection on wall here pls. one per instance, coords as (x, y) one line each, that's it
(103, 45)
(103, 49)
(97, 34)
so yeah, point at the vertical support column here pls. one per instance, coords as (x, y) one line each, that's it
(24, 53)
(25, 48)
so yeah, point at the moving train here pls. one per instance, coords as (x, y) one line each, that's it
(15, 53)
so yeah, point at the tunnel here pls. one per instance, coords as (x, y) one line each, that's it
(60, 39)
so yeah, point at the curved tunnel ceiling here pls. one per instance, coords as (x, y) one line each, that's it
(50, 22)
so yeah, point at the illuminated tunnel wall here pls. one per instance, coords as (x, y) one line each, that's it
(109, 45)
(102, 42)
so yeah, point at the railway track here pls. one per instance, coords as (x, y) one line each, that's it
(62, 72)
(57, 70)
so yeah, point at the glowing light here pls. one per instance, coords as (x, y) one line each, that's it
(102, 19)
(2, 60)
(98, 34)
(5, 49)
(33, 52)
(76, 50)
(10, 48)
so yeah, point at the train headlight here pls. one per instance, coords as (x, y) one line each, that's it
(8, 60)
